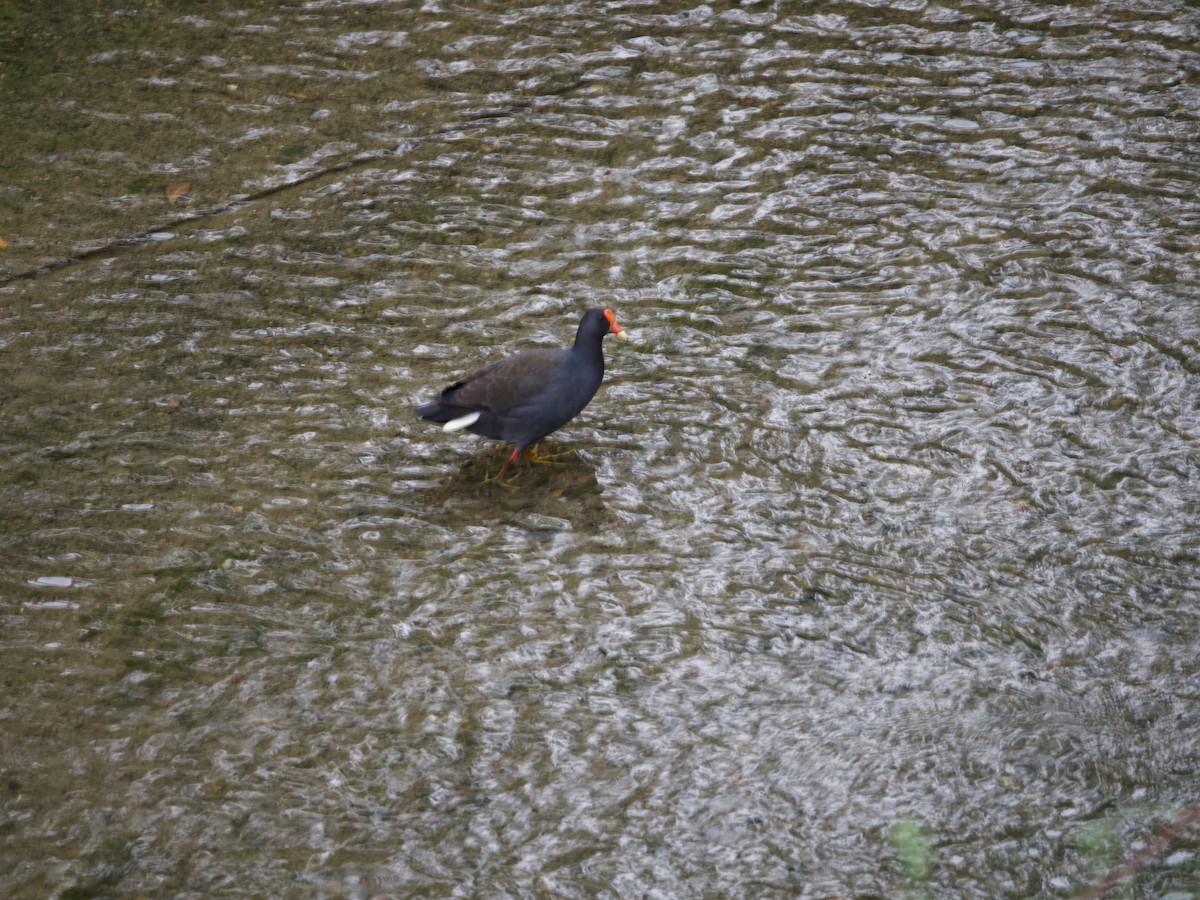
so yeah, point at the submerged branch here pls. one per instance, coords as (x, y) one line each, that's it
(129, 242)
(1154, 848)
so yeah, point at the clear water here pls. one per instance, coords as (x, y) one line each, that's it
(873, 566)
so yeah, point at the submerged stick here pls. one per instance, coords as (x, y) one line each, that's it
(129, 242)
(1154, 848)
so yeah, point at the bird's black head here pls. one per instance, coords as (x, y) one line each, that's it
(597, 323)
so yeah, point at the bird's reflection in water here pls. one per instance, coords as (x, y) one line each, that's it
(559, 482)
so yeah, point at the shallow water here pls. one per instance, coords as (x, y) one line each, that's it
(882, 531)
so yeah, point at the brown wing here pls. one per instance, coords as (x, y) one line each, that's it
(510, 383)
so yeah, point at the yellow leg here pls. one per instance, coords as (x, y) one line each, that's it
(533, 456)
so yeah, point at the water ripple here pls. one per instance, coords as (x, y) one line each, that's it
(884, 514)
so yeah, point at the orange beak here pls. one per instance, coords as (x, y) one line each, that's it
(613, 327)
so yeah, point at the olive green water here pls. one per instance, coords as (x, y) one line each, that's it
(874, 570)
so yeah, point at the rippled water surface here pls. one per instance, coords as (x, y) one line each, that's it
(874, 564)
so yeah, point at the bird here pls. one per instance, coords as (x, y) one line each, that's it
(524, 397)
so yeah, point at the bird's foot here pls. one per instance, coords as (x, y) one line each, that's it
(531, 454)
(504, 468)
(507, 483)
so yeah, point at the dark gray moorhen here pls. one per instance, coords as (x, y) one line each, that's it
(528, 395)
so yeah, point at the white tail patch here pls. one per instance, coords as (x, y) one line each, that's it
(462, 422)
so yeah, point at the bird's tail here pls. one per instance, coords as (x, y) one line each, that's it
(452, 418)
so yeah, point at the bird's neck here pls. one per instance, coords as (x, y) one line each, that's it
(588, 349)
